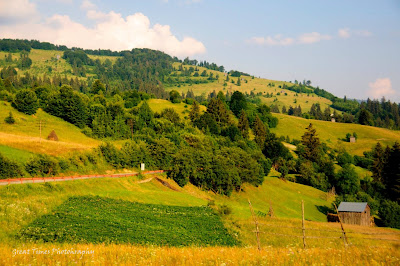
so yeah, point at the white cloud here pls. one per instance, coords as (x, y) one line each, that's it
(381, 87)
(17, 11)
(273, 41)
(344, 33)
(279, 40)
(87, 5)
(313, 37)
(363, 33)
(110, 31)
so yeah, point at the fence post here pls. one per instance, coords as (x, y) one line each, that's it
(303, 226)
(256, 224)
(341, 225)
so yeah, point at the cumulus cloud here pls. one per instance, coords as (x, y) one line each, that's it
(275, 40)
(110, 31)
(381, 87)
(313, 37)
(17, 11)
(279, 40)
(87, 5)
(363, 33)
(344, 33)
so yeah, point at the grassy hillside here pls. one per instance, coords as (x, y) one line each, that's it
(24, 203)
(333, 133)
(17, 155)
(157, 105)
(21, 205)
(256, 85)
(25, 133)
(50, 62)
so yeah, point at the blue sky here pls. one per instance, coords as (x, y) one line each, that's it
(346, 47)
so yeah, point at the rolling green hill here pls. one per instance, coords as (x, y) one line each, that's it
(24, 203)
(25, 133)
(157, 105)
(281, 97)
(333, 133)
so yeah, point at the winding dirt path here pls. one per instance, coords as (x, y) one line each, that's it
(32, 180)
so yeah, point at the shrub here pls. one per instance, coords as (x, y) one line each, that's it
(224, 210)
(111, 154)
(42, 165)
(344, 158)
(9, 119)
(9, 168)
(389, 212)
(26, 102)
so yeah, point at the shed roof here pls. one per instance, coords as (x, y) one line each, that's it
(352, 206)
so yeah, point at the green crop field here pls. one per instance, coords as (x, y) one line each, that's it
(333, 133)
(104, 220)
(25, 133)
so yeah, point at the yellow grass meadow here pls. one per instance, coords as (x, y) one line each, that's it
(45, 254)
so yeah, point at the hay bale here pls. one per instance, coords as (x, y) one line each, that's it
(53, 136)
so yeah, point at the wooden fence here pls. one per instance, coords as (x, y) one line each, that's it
(343, 233)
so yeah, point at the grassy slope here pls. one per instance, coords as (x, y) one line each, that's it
(331, 133)
(24, 134)
(17, 155)
(43, 59)
(157, 105)
(256, 85)
(21, 204)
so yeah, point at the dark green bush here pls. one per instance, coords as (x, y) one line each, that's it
(10, 119)
(42, 165)
(389, 212)
(9, 168)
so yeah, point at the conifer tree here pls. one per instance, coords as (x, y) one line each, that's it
(216, 108)
(379, 161)
(311, 144)
(260, 132)
(243, 125)
(391, 173)
(195, 112)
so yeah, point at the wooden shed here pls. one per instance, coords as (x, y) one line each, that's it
(355, 213)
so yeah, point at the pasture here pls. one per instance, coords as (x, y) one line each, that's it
(334, 133)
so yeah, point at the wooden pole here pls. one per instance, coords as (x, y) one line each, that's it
(256, 224)
(303, 225)
(341, 225)
(40, 130)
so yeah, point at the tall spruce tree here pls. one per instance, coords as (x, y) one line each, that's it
(243, 125)
(216, 108)
(391, 173)
(260, 132)
(238, 103)
(379, 162)
(312, 144)
(194, 112)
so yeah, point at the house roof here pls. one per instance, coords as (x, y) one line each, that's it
(352, 206)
